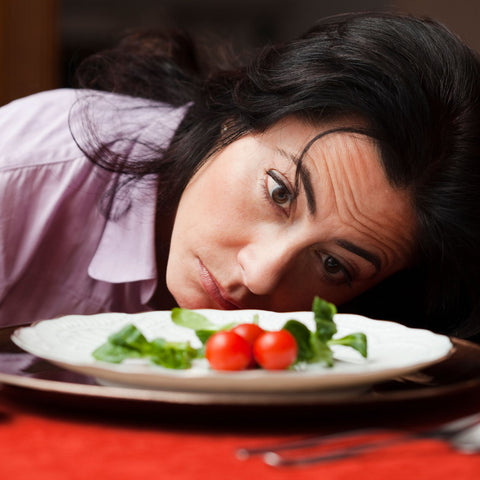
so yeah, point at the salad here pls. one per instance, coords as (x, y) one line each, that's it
(236, 346)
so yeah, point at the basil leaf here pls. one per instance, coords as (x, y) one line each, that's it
(357, 341)
(177, 355)
(302, 334)
(324, 312)
(190, 319)
(130, 337)
(204, 335)
(184, 317)
(108, 352)
(129, 342)
(322, 353)
(325, 330)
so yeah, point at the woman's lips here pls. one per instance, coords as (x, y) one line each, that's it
(214, 290)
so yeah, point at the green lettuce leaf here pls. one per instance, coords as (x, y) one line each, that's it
(178, 355)
(302, 335)
(357, 341)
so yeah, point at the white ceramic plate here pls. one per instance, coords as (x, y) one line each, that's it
(393, 350)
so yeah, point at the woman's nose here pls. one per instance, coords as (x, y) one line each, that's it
(263, 265)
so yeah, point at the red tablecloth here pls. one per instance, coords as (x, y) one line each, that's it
(41, 443)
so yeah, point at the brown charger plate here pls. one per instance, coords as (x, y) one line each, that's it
(454, 381)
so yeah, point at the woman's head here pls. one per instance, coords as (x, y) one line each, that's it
(408, 85)
(416, 89)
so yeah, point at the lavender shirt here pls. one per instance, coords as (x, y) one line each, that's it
(59, 254)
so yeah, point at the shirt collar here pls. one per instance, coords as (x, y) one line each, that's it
(126, 251)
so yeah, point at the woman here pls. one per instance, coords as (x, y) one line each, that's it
(330, 165)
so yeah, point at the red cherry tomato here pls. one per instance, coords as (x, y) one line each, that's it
(249, 331)
(275, 350)
(226, 350)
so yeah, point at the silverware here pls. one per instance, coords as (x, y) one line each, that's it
(462, 434)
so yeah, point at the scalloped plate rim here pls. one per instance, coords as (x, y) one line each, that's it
(319, 378)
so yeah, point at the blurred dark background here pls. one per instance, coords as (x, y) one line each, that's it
(42, 41)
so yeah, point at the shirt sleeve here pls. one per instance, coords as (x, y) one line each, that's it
(42, 167)
(34, 141)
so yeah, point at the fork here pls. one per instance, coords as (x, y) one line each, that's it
(272, 453)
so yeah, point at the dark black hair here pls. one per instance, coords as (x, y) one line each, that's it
(414, 84)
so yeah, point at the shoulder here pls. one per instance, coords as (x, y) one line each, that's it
(34, 130)
(48, 127)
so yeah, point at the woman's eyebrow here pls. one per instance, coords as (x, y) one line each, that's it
(369, 256)
(304, 175)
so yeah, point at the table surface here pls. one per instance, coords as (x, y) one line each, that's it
(63, 436)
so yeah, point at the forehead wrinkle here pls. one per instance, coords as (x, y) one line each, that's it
(348, 208)
(348, 211)
(351, 215)
(371, 227)
(303, 172)
(401, 243)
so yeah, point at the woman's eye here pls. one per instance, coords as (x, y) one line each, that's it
(331, 265)
(277, 189)
(336, 269)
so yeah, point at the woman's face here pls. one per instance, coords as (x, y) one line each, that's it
(244, 237)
